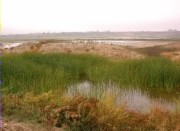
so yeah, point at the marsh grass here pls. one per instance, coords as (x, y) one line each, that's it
(33, 82)
(150, 72)
(43, 72)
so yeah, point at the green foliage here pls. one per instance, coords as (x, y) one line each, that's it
(150, 72)
(43, 72)
(27, 77)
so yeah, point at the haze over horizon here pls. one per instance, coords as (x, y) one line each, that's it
(37, 16)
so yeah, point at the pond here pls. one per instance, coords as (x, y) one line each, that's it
(134, 98)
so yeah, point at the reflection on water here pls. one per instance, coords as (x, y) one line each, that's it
(133, 98)
(9, 45)
(125, 42)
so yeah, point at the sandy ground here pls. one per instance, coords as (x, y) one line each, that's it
(22, 126)
(113, 51)
(107, 50)
(170, 49)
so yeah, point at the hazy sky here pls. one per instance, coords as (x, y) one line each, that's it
(28, 16)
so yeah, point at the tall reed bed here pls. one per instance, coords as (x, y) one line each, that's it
(43, 72)
(149, 72)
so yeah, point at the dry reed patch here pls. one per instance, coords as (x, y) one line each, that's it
(175, 56)
(82, 113)
(28, 105)
(68, 50)
(171, 51)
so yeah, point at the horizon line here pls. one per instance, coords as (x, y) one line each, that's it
(95, 31)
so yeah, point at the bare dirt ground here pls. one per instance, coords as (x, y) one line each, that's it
(22, 126)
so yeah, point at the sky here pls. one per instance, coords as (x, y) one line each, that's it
(36, 16)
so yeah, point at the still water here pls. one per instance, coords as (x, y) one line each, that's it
(133, 98)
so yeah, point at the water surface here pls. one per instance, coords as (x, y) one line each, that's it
(133, 98)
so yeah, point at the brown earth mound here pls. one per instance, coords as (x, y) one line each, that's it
(150, 48)
(107, 50)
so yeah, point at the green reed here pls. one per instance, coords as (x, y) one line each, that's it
(43, 72)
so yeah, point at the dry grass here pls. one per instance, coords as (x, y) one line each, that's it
(79, 113)
(68, 50)
(65, 46)
(87, 50)
(25, 107)
(171, 51)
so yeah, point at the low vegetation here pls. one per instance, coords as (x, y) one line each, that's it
(80, 113)
(43, 72)
(33, 86)
(155, 50)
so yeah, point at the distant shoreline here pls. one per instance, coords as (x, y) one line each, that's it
(134, 36)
